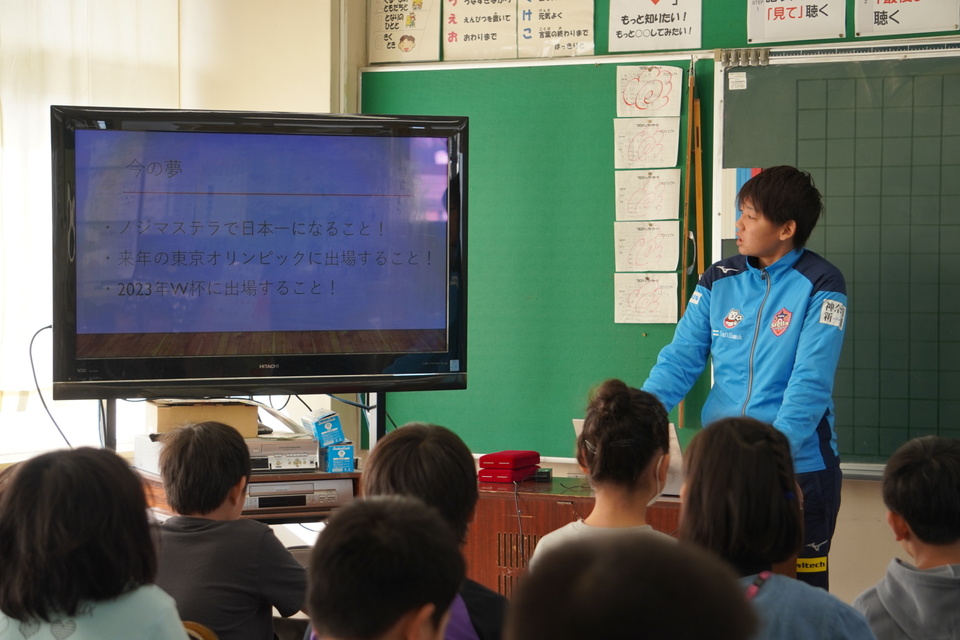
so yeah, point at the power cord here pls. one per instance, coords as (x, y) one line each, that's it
(36, 384)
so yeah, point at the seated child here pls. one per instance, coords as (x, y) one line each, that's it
(384, 567)
(226, 573)
(77, 554)
(740, 499)
(433, 464)
(921, 489)
(624, 449)
(629, 586)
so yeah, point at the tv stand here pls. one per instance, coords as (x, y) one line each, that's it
(108, 411)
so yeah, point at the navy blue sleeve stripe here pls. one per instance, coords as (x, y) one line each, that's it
(821, 274)
(724, 269)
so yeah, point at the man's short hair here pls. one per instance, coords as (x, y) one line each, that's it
(200, 463)
(428, 462)
(921, 484)
(782, 194)
(629, 586)
(377, 559)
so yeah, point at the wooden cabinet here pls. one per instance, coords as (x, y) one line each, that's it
(510, 520)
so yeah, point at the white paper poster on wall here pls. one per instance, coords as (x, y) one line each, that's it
(655, 25)
(792, 20)
(479, 30)
(645, 298)
(404, 31)
(646, 143)
(649, 91)
(881, 17)
(648, 194)
(647, 245)
(557, 28)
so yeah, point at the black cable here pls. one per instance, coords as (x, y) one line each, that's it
(387, 413)
(352, 403)
(33, 370)
(281, 407)
(520, 542)
(309, 408)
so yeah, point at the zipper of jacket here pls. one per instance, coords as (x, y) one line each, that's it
(753, 346)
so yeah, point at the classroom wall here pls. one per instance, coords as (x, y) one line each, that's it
(251, 55)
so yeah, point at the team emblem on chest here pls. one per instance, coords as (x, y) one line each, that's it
(733, 318)
(781, 321)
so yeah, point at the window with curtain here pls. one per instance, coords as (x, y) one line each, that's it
(86, 52)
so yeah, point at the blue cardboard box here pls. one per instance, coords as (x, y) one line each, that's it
(325, 425)
(337, 458)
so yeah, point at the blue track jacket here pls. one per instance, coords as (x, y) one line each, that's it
(774, 336)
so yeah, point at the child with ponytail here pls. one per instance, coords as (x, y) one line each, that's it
(624, 450)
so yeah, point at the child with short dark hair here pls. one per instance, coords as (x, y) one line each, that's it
(629, 586)
(921, 489)
(432, 463)
(226, 573)
(76, 552)
(385, 567)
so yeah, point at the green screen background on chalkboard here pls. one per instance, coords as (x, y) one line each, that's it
(541, 209)
(882, 140)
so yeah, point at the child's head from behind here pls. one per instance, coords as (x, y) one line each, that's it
(624, 431)
(200, 464)
(381, 563)
(740, 498)
(428, 462)
(783, 194)
(73, 529)
(921, 484)
(629, 586)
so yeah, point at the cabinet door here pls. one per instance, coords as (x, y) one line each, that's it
(506, 529)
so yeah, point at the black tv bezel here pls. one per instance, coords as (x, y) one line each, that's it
(163, 377)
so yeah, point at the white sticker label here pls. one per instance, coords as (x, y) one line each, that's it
(736, 81)
(834, 313)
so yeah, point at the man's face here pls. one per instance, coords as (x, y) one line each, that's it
(759, 237)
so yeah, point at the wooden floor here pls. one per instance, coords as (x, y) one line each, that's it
(121, 345)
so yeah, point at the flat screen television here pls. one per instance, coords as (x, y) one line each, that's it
(224, 253)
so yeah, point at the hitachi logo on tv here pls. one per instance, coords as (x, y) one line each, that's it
(271, 365)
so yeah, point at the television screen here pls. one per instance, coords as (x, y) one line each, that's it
(216, 253)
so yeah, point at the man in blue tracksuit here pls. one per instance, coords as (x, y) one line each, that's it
(772, 320)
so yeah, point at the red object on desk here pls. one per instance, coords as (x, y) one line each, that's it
(507, 475)
(509, 460)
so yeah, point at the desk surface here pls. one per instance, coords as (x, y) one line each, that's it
(556, 487)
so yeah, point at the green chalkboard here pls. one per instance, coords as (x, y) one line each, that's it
(882, 140)
(541, 209)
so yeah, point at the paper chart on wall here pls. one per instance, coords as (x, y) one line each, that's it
(649, 91)
(648, 194)
(645, 298)
(403, 30)
(647, 246)
(480, 31)
(646, 143)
